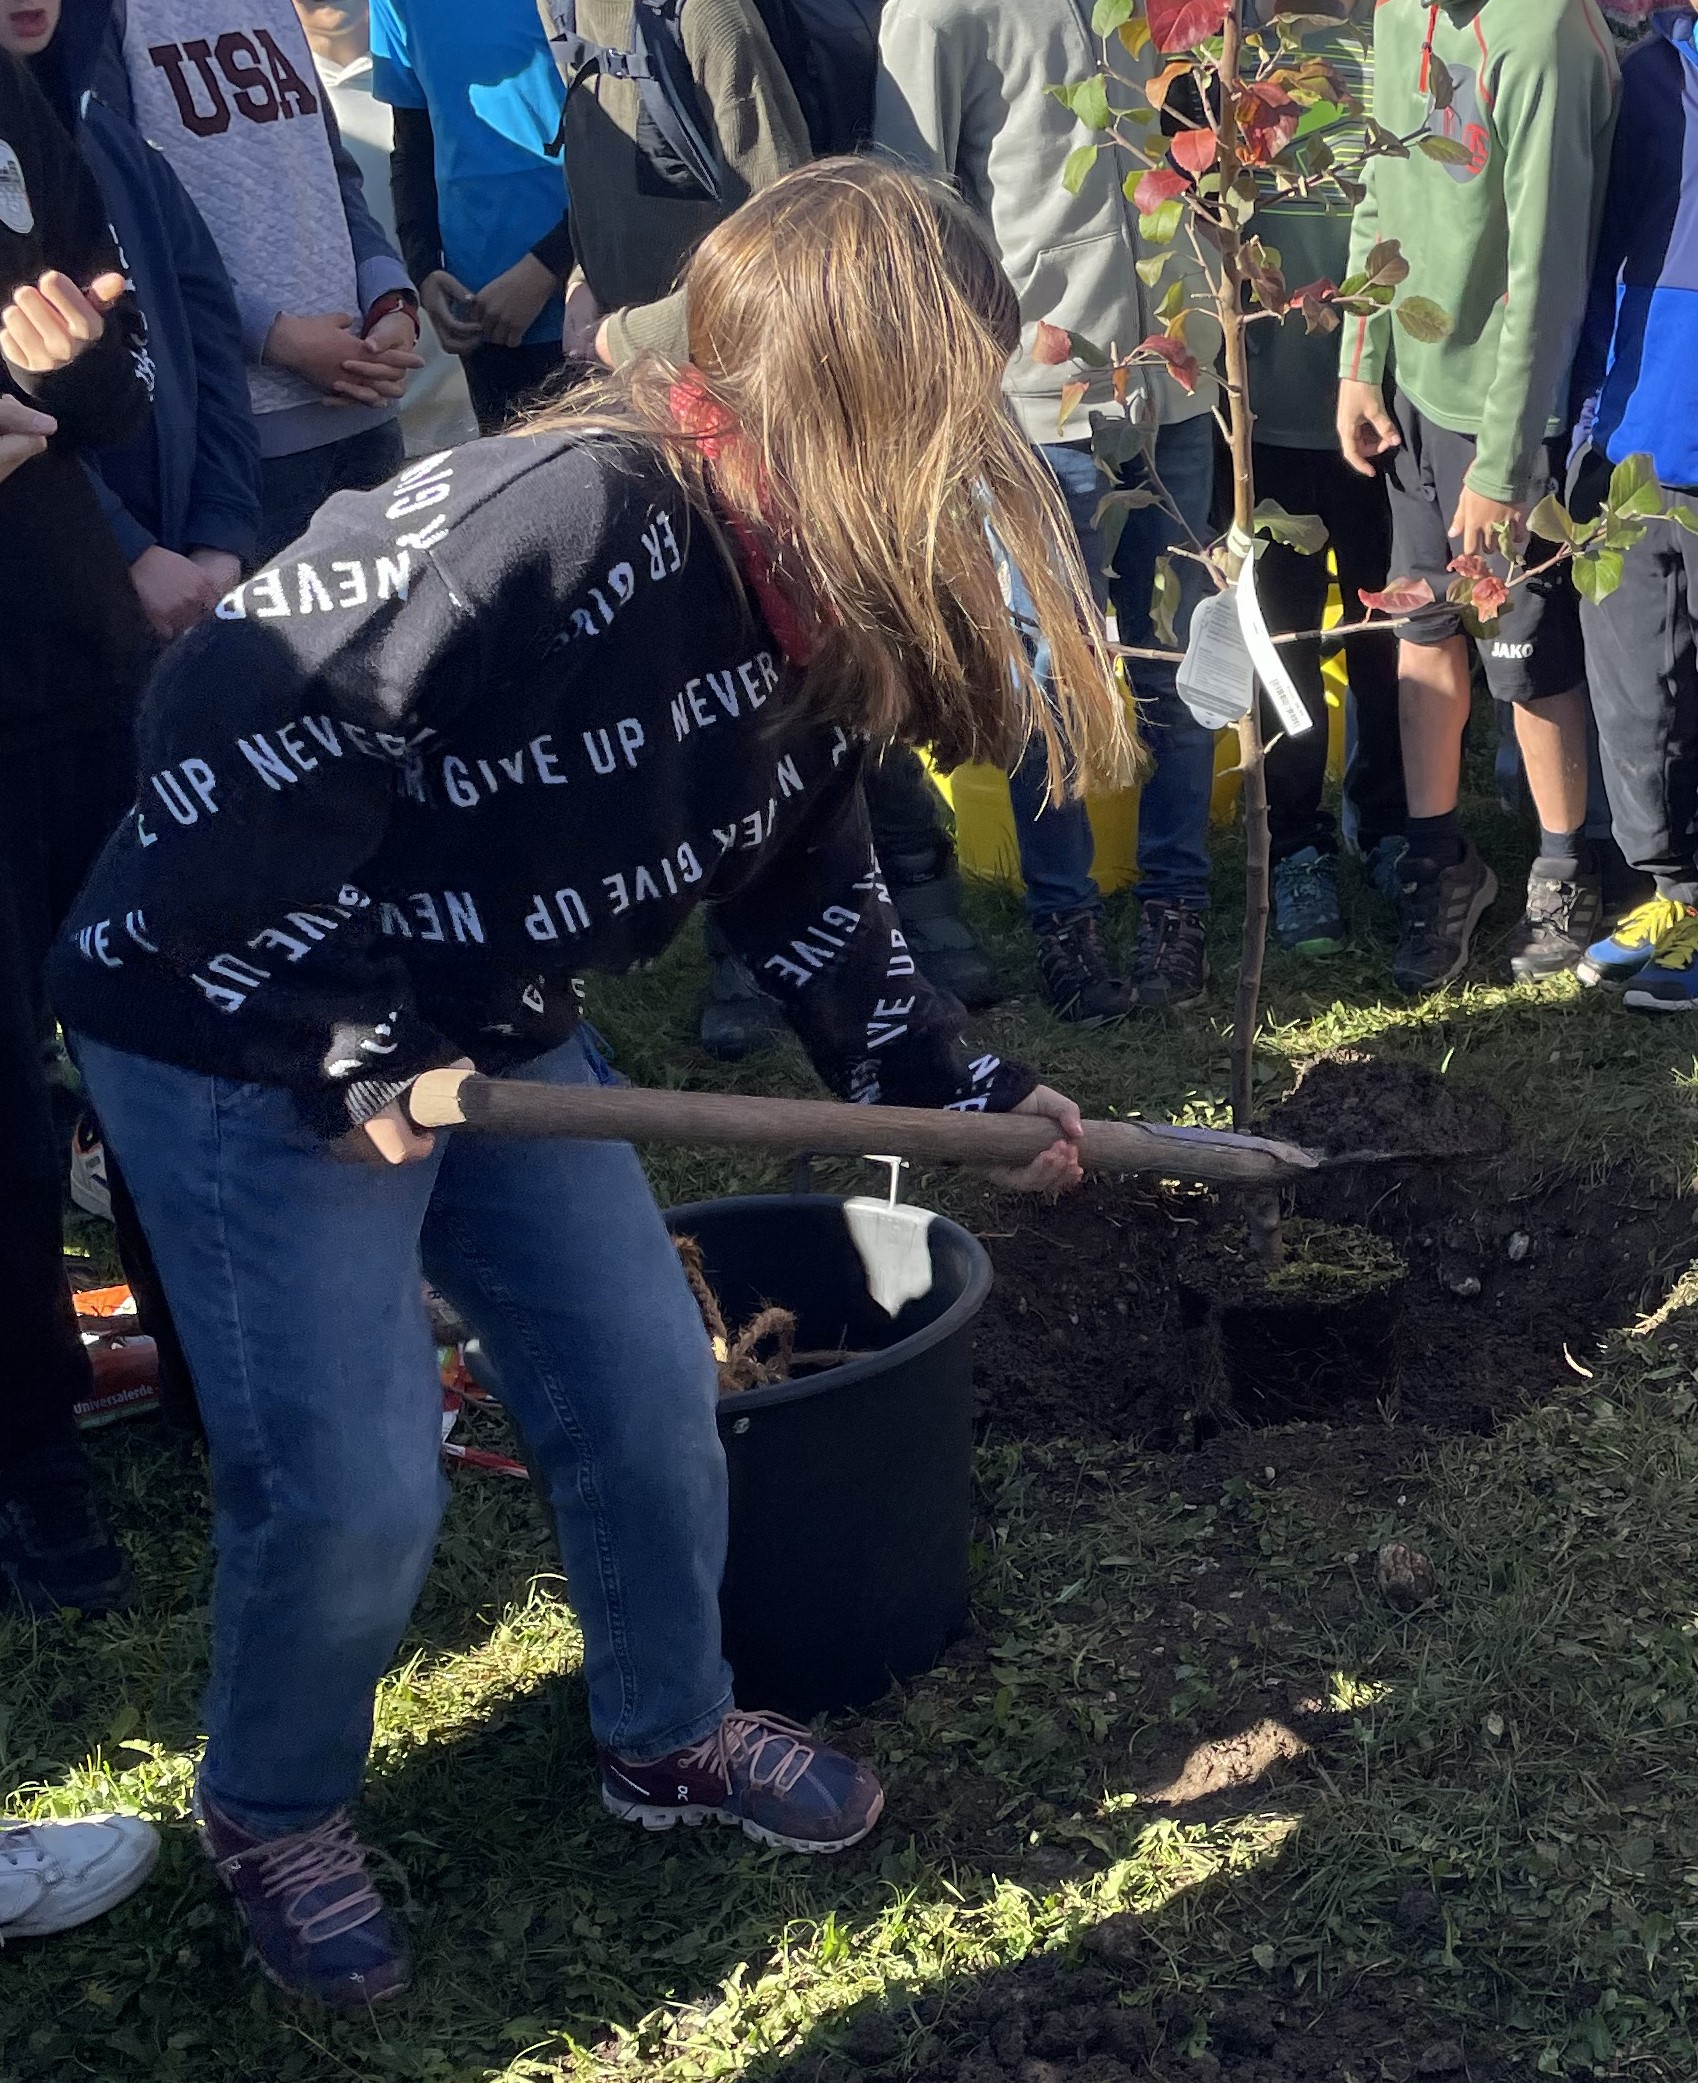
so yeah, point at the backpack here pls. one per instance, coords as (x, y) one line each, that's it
(829, 49)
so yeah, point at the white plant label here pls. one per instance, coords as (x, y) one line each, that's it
(1216, 677)
(1277, 683)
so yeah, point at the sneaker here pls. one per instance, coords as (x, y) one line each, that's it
(926, 890)
(765, 1775)
(1438, 910)
(1307, 918)
(54, 1547)
(1669, 981)
(739, 1018)
(1638, 938)
(1382, 864)
(317, 1925)
(1079, 982)
(89, 1190)
(1561, 918)
(56, 1875)
(1170, 967)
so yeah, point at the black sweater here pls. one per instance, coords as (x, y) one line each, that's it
(507, 719)
(72, 636)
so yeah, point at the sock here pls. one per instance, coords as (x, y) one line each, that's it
(1435, 838)
(1562, 854)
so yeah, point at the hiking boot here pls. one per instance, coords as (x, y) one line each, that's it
(89, 1190)
(1079, 982)
(1639, 937)
(317, 1925)
(739, 1019)
(1438, 910)
(1557, 927)
(1382, 865)
(1307, 918)
(54, 1547)
(926, 890)
(1170, 966)
(56, 1875)
(763, 1774)
(1669, 981)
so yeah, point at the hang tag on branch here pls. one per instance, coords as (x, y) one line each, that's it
(1277, 684)
(1216, 677)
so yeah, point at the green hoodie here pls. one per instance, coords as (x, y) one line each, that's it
(1503, 243)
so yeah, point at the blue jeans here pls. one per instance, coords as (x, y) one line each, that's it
(295, 1280)
(1055, 839)
(1173, 812)
(293, 488)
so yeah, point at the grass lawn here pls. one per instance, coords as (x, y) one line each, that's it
(1193, 1801)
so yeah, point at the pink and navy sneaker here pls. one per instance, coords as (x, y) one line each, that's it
(764, 1774)
(318, 1926)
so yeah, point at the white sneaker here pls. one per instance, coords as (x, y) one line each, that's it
(89, 1190)
(54, 1875)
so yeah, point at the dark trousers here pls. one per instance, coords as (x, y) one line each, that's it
(1642, 666)
(293, 488)
(57, 804)
(1293, 591)
(907, 816)
(503, 380)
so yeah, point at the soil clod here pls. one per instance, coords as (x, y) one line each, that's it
(1405, 1577)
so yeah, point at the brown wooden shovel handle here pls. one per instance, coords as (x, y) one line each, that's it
(630, 1114)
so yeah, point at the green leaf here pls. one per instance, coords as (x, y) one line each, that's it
(1173, 302)
(1152, 268)
(1683, 517)
(1630, 478)
(1422, 319)
(1164, 600)
(1108, 15)
(1086, 350)
(1306, 533)
(1598, 573)
(1089, 102)
(1551, 521)
(1077, 170)
(1159, 227)
(1448, 151)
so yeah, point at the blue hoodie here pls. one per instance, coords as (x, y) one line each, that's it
(1636, 368)
(190, 479)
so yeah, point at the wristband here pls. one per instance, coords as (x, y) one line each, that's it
(395, 300)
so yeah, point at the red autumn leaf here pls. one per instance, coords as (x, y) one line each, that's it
(1490, 596)
(1400, 597)
(1321, 291)
(1267, 121)
(1175, 25)
(1052, 345)
(1160, 185)
(1195, 150)
(1469, 567)
(1181, 362)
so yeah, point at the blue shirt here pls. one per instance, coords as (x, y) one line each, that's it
(483, 72)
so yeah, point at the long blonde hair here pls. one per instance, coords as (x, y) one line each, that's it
(845, 323)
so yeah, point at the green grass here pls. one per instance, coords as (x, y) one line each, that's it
(1524, 1747)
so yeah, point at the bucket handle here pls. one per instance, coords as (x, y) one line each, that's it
(802, 1175)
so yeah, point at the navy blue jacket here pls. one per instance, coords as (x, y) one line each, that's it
(1636, 369)
(189, 480)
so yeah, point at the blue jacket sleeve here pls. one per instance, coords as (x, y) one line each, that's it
(224, 485)
(131, 536)
(376, 266)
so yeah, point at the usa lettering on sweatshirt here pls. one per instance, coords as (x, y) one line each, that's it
(506, 720)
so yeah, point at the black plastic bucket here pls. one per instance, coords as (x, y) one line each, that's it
(850, 1488)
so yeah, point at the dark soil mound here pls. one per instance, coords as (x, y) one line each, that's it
(1352, 1102)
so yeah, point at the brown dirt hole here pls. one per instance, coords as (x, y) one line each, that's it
(1516, 1261)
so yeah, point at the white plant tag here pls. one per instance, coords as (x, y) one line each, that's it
(1216, 678)
(895, 1250)
(1277, 683)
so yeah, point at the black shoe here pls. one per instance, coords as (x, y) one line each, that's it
(54, 1547)
(739, 1018)
(1561, 921)
(1171, 965)
(1079, 983)
(1438, 909)
(926, 891)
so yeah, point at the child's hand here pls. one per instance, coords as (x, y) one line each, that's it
(446, 300)
(49, 323)
(174, 592)
(1057, 1169)
(509, 306)
(23, 434)
(315, 348)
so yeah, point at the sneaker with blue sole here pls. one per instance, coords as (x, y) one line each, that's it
(1308, 918)
(758, 1772)
(317, 1925)
(1638, 937)
(1669, 981)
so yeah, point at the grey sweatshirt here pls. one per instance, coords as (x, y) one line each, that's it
(964, 91)
(228, 92)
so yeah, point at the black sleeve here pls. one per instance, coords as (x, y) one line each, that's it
(104, 396)
(412, 189)
(555, 249)
(819, 931)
